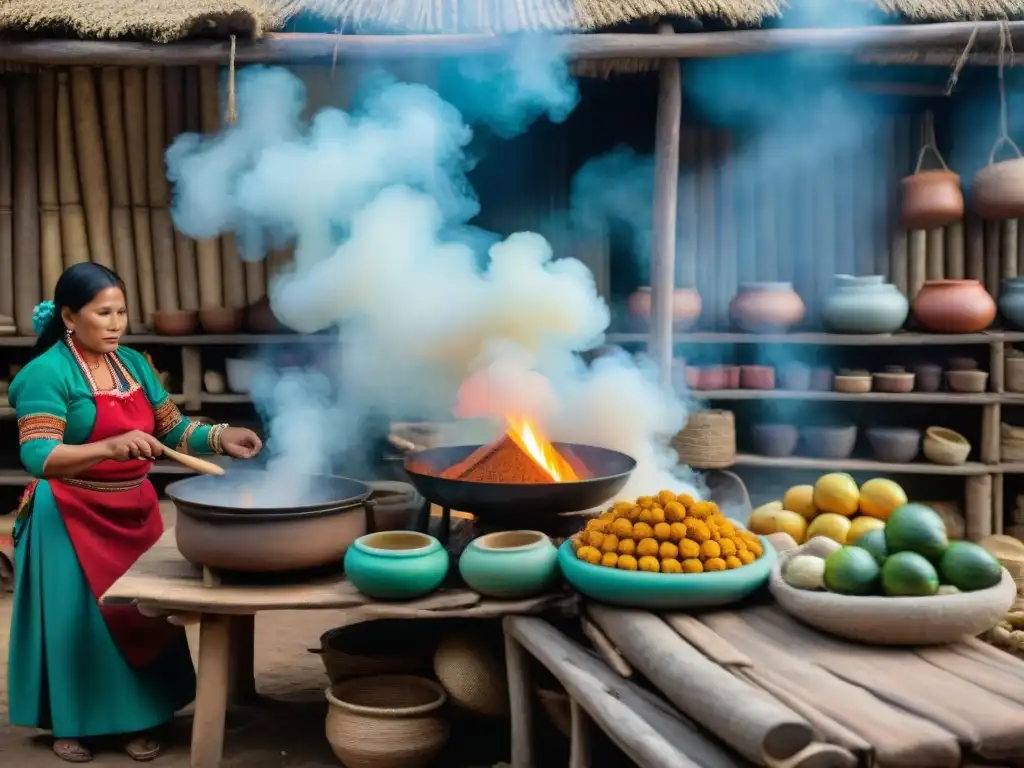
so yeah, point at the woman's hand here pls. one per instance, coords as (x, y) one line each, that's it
(133, 445)
(240, 443)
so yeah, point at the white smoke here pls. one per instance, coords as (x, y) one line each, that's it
(377, 204)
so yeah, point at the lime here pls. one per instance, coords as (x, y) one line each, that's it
(916, 528)
(851, 571)
(874, 542)
(908, 574)
(969, 567)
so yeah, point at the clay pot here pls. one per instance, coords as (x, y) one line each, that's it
(733, 374)
(967, 381)
(954, 306)
(777, 440)
(766, 308)
(962, 364)
(714, 377)
(829, 442)
(1011, 301)
(757, 377)
(175, 322)
(852, 384)
(927, 377)
(896, 445)
(998, 188)
(865, 304)
(795, 377)
(220, 319)
(686, 307)
(931, 199)
(259, 318)
(888, 381)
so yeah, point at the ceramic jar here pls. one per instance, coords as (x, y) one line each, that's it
(865, 304)
(998, 188)
(396, 565)
(931, 199)
(766, 308)
(510, 565)
(686, 306)
(954, 306)
(1011, 301)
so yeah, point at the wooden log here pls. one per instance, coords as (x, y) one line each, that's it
(181, 90)
(663, 226)
(705, 235)
(157, 265)
(727, 264)
(6, 206)
(817, 756)
(917, 262)
(688, 218)
(745, 718)
(517, 665)
(1008, 248)
(955, 263)
(899, 253)
(978, 507)
(92, 165)
(993, 251)
(26, 203)
(49, 199)
(604, 647)
(580, 737)
(975, 249)
(73, 234)
(936, 258)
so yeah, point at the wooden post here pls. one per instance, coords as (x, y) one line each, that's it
(242, 679)
(212, 693)
(520, 698)
(978, 507)
(579, 737)
(663, 226)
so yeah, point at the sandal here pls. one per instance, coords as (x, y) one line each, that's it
(71, 751)
(142, 749)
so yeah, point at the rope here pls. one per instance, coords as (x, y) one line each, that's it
(928, 143)
(1005, 44)
(231, 111)
(954, 76)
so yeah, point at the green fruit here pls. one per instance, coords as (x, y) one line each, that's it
(908, 574)
(851, 571)
(916, 528)
(969, 567)
(874, 542)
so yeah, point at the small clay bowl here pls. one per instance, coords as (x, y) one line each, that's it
(693, 376)
(221, 319)
(733, 372)
(962, 364)
(967, 381)
(944, 446)
(777, 440)
(821, 379)
(714, 377)
(795, 377)
(175, 322)
(893, 382)
(757, 377)
(829, 442)
(852, 385)
(928, 377)
(895, 445)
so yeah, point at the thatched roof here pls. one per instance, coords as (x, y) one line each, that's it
(166, 20)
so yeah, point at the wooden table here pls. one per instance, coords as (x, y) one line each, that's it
(163, 583)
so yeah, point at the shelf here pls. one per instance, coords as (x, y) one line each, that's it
(864, 465)
(830, 339)
(936, 398)
(227, 397)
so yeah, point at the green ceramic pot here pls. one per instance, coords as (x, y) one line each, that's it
(396, 565)
(510, 565)
(665, 591)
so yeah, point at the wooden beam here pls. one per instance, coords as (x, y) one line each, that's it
(294, 48)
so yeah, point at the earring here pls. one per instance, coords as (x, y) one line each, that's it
(67, 333)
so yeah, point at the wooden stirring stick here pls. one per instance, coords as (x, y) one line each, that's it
(193, 462)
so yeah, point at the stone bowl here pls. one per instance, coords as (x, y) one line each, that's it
(894, 445)
(829, 442)
(777, 440)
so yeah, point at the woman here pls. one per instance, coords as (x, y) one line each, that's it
(91, 417)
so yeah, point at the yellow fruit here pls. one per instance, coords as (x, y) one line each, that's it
(880, 497)
(764, 521)
(862, 525)
(837, 493)
(830, 525)
(800, 499)
(771, 506)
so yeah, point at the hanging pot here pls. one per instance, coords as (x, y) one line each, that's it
(932, 198)
(998, 190)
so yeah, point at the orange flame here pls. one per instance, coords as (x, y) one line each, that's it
(533, 443)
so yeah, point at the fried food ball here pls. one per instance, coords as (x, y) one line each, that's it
(620, 507)
(647, 547)
(622, 528)
(662, 531)
(755, 547)
(577, 542)
(710, 549)
(692, 565)
(728, 547)
(670, 565)
(589, 555)
(727, 528)
(627, 563)
(668, 550)
(649, 564)
(741, 545)
(664, 497)
(642, 531)
(598, 524)
(746, 556)
(715, 535)
(733, 562)
(714, 564)
(697, 530)
(609, 516)
(674, 512)
(645, 501)
(685, 499)
(610, 559)
(688, 548)
(702, 510)
(610, 543)
(627, 546)
(630, 512)
(593, 538)
(677, 531)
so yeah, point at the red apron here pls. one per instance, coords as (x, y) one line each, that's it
(112, 516)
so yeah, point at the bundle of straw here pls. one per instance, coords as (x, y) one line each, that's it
(74, 239)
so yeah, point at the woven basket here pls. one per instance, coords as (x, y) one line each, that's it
(392, 721)
(385, 647)
(708, 441)
(472, 674)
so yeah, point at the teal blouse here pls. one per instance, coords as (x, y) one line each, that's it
(53, 401)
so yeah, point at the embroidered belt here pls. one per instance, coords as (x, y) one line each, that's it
(97, 485)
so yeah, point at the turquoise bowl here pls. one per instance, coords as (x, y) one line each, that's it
(665, 591)
(396, 565)
(510, 565)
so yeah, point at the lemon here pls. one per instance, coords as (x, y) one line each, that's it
(764, 521)
(837, 493)
(831, 526)
(862, 525)
(800, 499)
(880, 497)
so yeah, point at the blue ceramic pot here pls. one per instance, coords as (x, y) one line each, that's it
(510, 564)
(865, 305)
(396, 565)
(1011, 301)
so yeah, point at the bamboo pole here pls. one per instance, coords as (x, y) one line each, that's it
(49, 200)
(707, 264)
(208, 259)
(727, 266)
(992, 257)
(92, 165)
(26, 204)
(137, 112)
(666, 186)
(6, 207)
(73, 234)
(162, 255)
(181, 105)
(899, 253)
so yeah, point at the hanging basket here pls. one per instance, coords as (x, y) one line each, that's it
(998, 189)
(708, 441)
